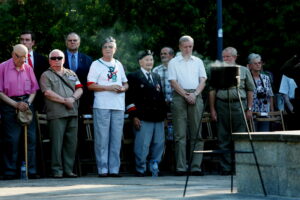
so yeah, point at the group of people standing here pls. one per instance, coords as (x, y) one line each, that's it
(147, 95)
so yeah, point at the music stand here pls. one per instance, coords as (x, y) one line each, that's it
(227, 77)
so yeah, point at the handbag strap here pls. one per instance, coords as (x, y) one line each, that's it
(63, 80)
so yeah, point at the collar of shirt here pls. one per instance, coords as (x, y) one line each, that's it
(145, 73)
(181, 58)
(70, 54)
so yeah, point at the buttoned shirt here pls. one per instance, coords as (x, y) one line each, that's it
(162, 71)
(146, 74)
(187, 73)
(288, 86)
(50, 81)
(70, 60)
(17, 83)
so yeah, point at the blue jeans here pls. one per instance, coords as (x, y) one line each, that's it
(12, 136)
(108, 131)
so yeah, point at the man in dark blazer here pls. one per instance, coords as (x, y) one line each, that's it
(80, 64)
(37, 61)
(145, 104)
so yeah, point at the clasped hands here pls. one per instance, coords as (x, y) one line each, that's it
(190, 97)
(117, 88)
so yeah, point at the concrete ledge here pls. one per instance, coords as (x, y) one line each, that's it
(278, 155)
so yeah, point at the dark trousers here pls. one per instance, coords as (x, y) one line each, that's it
(12, 138)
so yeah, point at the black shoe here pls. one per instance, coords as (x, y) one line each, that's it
(33, 176)
(70, 175)
(114, 175)
(103, 175)
(9, 177)
(139, 174)
(180, 173)
(197, 173)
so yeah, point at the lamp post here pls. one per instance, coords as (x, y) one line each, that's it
(219, 30)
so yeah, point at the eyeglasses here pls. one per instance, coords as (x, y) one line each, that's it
(72, 40)
(256, 63)
(21, 56)
(56, 58)
(109, 46)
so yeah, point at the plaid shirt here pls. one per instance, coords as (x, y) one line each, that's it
(162, 71)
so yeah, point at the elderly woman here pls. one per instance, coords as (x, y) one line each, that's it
(263, 94)
(108, 81)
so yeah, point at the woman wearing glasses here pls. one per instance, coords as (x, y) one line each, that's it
(263, 94)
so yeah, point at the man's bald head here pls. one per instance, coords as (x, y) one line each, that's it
(20, 50)
(19, 55)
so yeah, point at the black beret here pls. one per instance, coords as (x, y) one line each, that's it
(144, 53)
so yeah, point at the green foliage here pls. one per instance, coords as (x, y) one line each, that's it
(264, 27)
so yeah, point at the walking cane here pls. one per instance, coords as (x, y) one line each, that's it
(25, 145)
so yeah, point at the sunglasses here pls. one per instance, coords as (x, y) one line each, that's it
(56, 58)
(106, 47)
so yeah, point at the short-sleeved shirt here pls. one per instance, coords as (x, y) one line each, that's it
(288, 86)
(263, 86)
(246, 84)
(186, 72)
(163, 72)
(107, 73)
(17, 83)
(50, 81)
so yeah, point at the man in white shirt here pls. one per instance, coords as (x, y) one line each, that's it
(187, 76)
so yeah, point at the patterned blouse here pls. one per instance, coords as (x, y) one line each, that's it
(262, 94)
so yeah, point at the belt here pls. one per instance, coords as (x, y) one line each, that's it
(20, 98)
(231, 100)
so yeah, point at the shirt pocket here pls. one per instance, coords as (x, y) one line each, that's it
(27, 85)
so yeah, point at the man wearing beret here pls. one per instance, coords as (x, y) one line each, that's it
(147, 108)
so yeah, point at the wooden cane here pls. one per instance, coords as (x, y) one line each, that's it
(25, 145)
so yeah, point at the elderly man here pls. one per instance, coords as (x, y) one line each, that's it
(62, 89)
(187, 75)
(225, 102)
(18, 87)
(147, 109)
(166, 54)
(80, 64)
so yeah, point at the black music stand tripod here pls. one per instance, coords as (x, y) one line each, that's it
(232, 74)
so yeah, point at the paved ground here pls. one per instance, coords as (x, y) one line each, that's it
(89, 188)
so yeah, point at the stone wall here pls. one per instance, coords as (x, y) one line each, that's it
(278, 155)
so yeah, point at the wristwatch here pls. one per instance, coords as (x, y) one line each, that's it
(28, 103)
(249, 108)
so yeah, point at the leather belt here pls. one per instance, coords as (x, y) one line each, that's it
(20, 98)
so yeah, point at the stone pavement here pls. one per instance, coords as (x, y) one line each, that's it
(210, 187)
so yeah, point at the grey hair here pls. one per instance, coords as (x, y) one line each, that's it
(253, 56)
(109, 39)
(186, 38)
(57, 50)
(72, 33)
(171, 50)
(232, 50)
